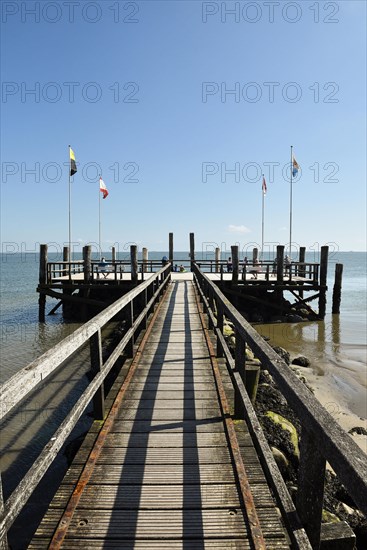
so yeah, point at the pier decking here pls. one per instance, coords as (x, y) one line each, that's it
(161, 474)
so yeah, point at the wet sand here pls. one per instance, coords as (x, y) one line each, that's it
(337, 373)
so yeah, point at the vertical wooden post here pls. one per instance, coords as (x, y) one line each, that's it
(310, 494)
(66, 258)
(240, 359)
(217, 259)
(145, 260)
(113, 254)
(220, 323)
(234, 252)
(95, 346)
(134, 263)
(323, 280)
(280, 262)
(301, 270)
(42, 281)
(252, 381)
(337, 290)
(87, 263)
(170, 248)
(255, 254)
(130, 321)
(192, 249)
(3, 534)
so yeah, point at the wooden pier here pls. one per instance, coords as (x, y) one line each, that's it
(176, 457)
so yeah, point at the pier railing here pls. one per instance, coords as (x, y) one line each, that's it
(21, 384)
(322, 439)
(309, 271)
(59, 271)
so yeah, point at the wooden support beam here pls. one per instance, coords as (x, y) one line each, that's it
(217, 259)
(113, 254)
(302, 258)
(323, 280)
(255, 254)
(145, 260)
(170, 247)
(134, 263)
(87, 263)
(66, 258)
(235, 264)
(310, 494)
(3, 534)
(280, 263)
(192, 249)
(42, 281)
(71, 297)
(337, 290)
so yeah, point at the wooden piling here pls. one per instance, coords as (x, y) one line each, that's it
(87, 263)
(170, 248)
(66, 258)
(323, 280)
(234, 252)
(301, 271)
(145, 260)
(192, 249)
(42, 281)
(280, 263)
(113, 254)
(217, 259)
(134, 263)
(255, 255)
(3, 534)
(337, 290)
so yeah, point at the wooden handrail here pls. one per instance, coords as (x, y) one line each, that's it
(321, 432)
(19, 386)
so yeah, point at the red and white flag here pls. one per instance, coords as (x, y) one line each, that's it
(103, 188)
(264, 188)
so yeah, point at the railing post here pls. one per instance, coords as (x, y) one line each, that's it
(170, 247)
(66, 258)
(280, 262)
(220, 323)
(145, 260)
(134, 263)
(323, 280)
(310, 494)
(301, 270)
(234, 252)
(337, 288)
(3, 534)
(95, 346)
(192, 249)
(129, 322)
(240, 365)
(217, 259)
(42, 281)
(87, 263)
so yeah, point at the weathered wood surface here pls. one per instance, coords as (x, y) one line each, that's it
(164, 477)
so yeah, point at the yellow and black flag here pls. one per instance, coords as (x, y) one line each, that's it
(73, 168)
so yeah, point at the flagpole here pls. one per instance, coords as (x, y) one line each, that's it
(290, 205)
(99, 209)
(262, 224)
(70, 251)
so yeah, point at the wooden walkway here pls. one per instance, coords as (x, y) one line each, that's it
(164, 477)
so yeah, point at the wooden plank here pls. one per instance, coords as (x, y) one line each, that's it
(130, 525)
(160, 497)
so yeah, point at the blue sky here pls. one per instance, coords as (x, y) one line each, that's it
(142, 92)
